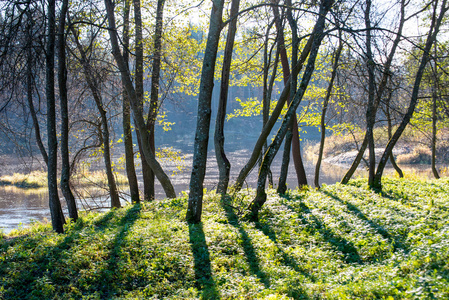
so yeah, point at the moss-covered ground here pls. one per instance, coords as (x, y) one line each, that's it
(341, 242)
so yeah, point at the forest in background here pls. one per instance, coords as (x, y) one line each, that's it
(78, 78)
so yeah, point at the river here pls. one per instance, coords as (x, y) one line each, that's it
(20, 207)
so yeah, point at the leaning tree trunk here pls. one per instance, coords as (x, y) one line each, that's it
(224, 166)
(431, 37)
(62, 80)
(148, 176)
(195, 204)
(273, 118)
(323, 113)
(138, 114)
(126, 120)
(261, 196)
(57, 218)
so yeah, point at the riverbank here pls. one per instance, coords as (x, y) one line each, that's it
(339, 242)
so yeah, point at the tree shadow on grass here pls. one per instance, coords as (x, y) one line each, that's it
(397, 242)
(248, 248)
(203, 270)
(338, 243)
(112, 283)
(42, 266)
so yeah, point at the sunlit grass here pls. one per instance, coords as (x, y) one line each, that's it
(340, 242)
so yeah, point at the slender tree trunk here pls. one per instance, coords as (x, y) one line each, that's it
(433, 31)
(323, 113)
(57, 218)
(204, 111)
(63, 97)
(148, 176)
(155, 75)
(137, 110)
(224, 166)
(370, 112)
(261, 196)
(127, 133)
(29, 87)
(273, 118)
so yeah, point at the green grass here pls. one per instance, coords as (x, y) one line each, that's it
(342, 242)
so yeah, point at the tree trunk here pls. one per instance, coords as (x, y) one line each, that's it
(148, 176)
(57, 218)
(138, 115)
(224, 166)
(204, 111)
(370, 111)
(433, 31)
(273, 118)
(380, 91)
(293, 141)
(62, 80)
(127, 133)
(323, 113)
(155, 75)
(93, 86)
(274, 147)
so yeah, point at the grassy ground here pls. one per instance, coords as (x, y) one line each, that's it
(342, 242)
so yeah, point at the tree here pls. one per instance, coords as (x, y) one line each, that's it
(57, 218)
(436, 21)
(223, 163)
(137, 110)
(62, 81)
(195, 203)
(318, 35)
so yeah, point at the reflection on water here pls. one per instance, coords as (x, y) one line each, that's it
(19, 206)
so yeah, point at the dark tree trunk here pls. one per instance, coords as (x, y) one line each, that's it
(433, 31)
(155, 75)
(127, 133)
(323, 113)
(63, 97)
(204, 112)
(138, 114)
(148, 176)
(275, 145)
(224, 166)
(57, 218)
(370, 111)
(273, 118)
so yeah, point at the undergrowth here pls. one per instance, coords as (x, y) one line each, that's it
(341, 242)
